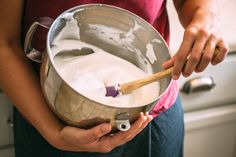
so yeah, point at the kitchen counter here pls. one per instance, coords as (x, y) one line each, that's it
(227, 20)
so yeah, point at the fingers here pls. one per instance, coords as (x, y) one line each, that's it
(108, 143)
(199, 48)
(81, 136)
(207, 53)
(220, 53)
(169, 62)
(183, 52)
(97, 139)
(136, 128)
(195, 53)
(95, 133)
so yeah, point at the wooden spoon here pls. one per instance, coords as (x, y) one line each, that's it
(130, 86)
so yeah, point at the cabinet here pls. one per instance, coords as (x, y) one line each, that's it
(6, 127)
(210, 115)
(211, 132)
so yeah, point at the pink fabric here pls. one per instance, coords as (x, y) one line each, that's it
(153, 11)
(167, 99)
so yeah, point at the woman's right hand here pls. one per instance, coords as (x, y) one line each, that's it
(97, 139)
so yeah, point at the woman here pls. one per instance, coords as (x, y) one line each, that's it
(38, 132)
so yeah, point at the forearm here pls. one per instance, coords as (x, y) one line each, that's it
(20, 84)
(194, 11)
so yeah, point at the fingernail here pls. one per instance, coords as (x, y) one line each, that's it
(213, 63)
(151, 117)
(175, 77)
(105, 128)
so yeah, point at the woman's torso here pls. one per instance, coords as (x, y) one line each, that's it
(153, 11)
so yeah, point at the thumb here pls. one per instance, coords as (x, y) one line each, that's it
(169, 63)
(96, 132)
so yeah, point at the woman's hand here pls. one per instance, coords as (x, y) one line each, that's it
(96, 139)
(202, 44)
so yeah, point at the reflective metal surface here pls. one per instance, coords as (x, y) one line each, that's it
(72, 107)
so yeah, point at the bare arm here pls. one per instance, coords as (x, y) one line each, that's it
(202, 42)
(187, 9)
(19, 83)
(17, 78)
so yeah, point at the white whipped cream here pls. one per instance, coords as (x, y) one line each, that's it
(90, 74)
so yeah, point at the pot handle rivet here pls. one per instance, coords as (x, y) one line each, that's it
(122, 121)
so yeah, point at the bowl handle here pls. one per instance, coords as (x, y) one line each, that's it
(122, 121)
(31, 52)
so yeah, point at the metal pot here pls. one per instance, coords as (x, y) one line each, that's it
(71, 106)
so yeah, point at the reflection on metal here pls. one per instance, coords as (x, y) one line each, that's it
(122, 121)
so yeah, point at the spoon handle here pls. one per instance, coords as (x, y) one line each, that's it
(130, 86)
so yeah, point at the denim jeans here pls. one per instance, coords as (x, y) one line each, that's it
(163, 137)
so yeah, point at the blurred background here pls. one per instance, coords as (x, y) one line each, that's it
(209, 98)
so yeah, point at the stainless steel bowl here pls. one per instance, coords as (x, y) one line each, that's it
(76, 109)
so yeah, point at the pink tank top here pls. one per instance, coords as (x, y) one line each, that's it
(153, 11)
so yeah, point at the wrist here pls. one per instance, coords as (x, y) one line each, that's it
(204, 17)
(49, 125)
